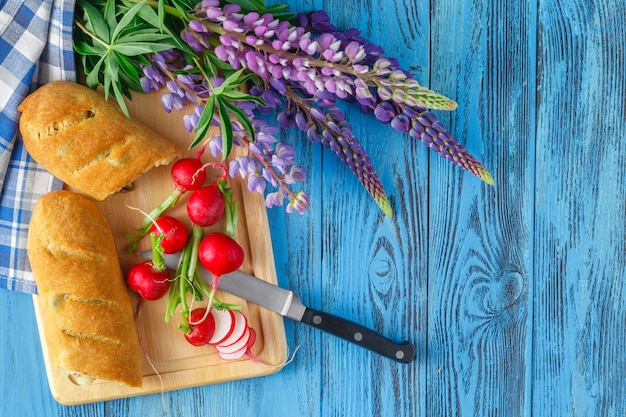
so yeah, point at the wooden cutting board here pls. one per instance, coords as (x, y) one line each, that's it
(178, 364)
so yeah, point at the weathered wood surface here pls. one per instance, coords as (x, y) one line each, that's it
(515, 294)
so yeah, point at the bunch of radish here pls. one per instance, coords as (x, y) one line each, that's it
(188, 174)
(227, 330)
(218, 324)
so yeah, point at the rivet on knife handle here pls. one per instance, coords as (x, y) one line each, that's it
(402, 352)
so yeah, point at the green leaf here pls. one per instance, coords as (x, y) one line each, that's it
(242, 117)
(139, 48)
(161, 13)
(95, 21)
(113, 66)
(127, 19)
(120, 99)
(182, 9)
(148, 15)
(230, 80)
(204, 123)
(127, 84)
(130, 69)
(240, 96)
(151, 17)
(227, 129)
(111, 71)
(245, 79)
(109, 16)
(209, 66)
(84, 48)
(141, 60)
(210, 56)
(145, 35)
(93, 79)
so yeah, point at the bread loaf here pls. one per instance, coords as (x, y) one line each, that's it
(86, 309)
(87, 142)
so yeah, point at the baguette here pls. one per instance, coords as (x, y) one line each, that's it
(87, 142)
(86, 309)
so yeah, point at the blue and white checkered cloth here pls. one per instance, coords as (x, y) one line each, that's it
(35, 48)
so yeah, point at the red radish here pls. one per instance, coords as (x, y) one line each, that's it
(188, 174)
(202, 327)
(223, 325)
(220, 253)
(150, 282)
(151, 278)
(205, 206)
(238, 329)
(175, 235)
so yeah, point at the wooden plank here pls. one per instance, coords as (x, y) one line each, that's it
(480, 257)
(374, 268)
(580, 293)
(178, 364)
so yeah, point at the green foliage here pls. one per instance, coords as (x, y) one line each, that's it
(112, 50)
(115, 40)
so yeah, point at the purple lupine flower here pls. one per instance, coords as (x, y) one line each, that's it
(336, 133)
(306, 67)
(384, 112)
(299, 203)
(427, 129)
(274, 199)
(269, 162)
(190, 121)
(401, 123)
(245, 40)
(152, 79)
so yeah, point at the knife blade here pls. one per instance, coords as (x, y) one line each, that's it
(288, 304)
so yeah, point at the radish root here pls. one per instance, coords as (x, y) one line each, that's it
(146, 215)
(216, 279)
(286, 362)
(147, 356)
(216, 165)
(206, 314)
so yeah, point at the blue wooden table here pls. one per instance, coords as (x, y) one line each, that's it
(514, 294)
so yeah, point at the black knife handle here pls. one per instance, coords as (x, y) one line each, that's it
(401, 352)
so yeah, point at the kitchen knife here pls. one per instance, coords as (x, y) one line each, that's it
(288, 304)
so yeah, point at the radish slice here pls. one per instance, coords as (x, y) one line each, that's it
(252, 338)
(233, 356)
(251, 341)
(241, 343)
(224, 324)
(239, 326)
